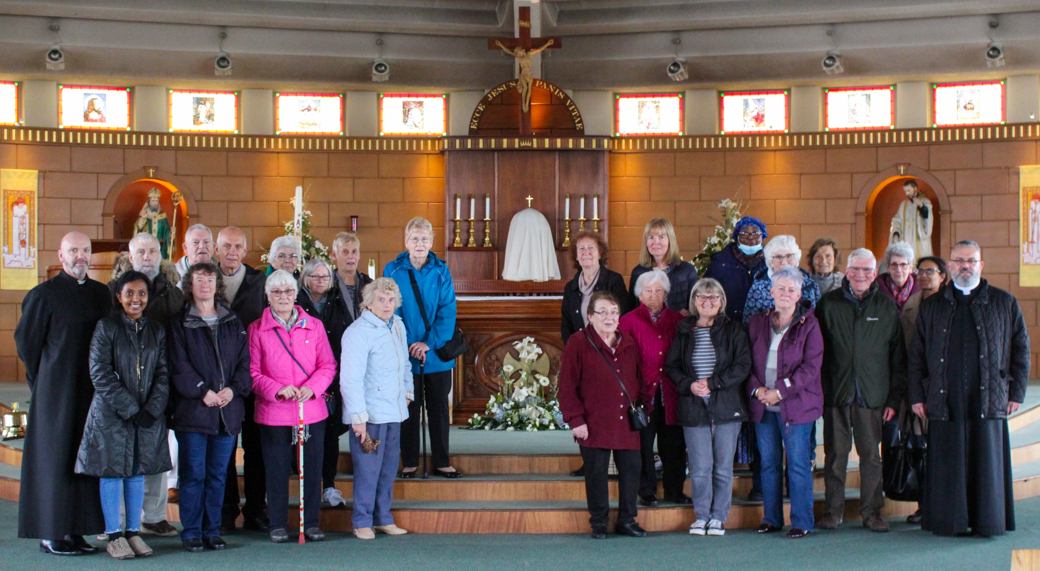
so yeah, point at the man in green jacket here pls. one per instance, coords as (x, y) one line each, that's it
(864, 379)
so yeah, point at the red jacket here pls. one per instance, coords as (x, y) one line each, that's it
(590, 394)
(654, 340)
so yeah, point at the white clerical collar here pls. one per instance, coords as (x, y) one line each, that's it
(966, 290)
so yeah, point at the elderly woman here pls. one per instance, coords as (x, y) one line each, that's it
(652, 325)
(589, 254)
(285, 254)
(348, 280)
(737, 264)
(595, 362)
(786, 400)
(125, 438)
(824, 259)
(377, 386)
(708, 363)
(318, 299)
(899, 282)
(428, 310)
(209, 380)
(292, 364)
(781, 252)
(661, 252)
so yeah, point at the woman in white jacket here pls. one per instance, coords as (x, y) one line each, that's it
(377, 386)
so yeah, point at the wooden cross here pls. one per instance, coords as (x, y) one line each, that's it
(522, 49)
(529, 199)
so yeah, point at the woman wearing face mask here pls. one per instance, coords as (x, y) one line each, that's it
(824, 258)
(736, 265)
(781, 252)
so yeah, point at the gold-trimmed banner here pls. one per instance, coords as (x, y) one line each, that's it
(18, 231)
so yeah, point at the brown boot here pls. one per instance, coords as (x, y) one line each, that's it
(829, 521)
(874, 522)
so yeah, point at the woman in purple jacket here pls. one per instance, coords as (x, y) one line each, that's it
(786, 399)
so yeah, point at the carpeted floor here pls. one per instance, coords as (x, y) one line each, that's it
(853, 547)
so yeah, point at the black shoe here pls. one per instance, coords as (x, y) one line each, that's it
(59, 547)
(449, 475)
(278, 536)
(754, 496)
(796, 533)
(599, 532)
(681, 499)
(914, 518)
(258, 523)
(81, 544)
(631, 529)
(408, 475)
(216, 543)
(193, 545)
(648, 501)
(768, 528)
(314, 534)
(579, 473)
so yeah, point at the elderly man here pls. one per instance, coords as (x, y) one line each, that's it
(198, 247)
(244, 290)
(55, 505)
(863, 378)
(969, 367)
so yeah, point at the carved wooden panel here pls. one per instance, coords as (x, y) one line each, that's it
(491, 355)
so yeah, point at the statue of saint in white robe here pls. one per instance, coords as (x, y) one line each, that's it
(530, 250)
(913, 224)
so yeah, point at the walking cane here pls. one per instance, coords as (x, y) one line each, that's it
(302, 434)
(422, 418)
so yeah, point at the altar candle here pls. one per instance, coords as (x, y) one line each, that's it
(472, 207)
(595, 206)
(458, 207)
(581, 210)
(298, 208)
(487, 206)
(567, 206)
(371, 268)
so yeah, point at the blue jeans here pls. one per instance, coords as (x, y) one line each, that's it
(773, 439)
(374, 475)
(131, 490)
(203, 461)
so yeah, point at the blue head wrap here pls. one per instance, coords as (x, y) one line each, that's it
(744, 222)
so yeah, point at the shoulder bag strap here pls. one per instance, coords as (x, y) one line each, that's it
(279, 334)
(418, 298)
(611, 367)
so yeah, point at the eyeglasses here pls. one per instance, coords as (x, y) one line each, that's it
(855, 270)
(928, 272)
(782, 257)
(968, 262)
(748, 234)
(708, 298)
(423, 240)
(283, 293)
(604, 313)
(902, 266)
(287, 257)
(320, 278)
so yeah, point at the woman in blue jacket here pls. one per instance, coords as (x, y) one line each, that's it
(428, 331)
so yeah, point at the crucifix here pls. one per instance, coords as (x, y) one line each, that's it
(529, 199)
(523, 49)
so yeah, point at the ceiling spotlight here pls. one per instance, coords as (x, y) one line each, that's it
(222, 64)
(995, 55)
(55, 58)
(831, 64)
(677, 70)
(380, 70)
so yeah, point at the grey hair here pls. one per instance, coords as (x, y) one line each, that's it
(308, 269)
(969, 244)
(418, 224)
(344, 238)
(901, 249)
(781, 242)
(285, 242)
(861, 254)
(793, 275)
(653, 276)
(142, 237)
(280, 278)
(385, 285)
(194, 227)
(707, 285)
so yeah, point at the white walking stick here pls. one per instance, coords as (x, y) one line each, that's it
(302, 434)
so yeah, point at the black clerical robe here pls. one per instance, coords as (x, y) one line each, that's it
(53, 339)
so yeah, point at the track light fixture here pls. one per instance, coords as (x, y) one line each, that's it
(222, 64)
(380, 69)
(995, 55)
(831, 64)
(54, 58)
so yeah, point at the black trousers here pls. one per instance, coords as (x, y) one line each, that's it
(280, 453)
(597, 489)
(253, 472)
(671, 446)
(333, 430)
(439, 385)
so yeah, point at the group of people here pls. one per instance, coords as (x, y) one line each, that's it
(160, 373)
(743, 362)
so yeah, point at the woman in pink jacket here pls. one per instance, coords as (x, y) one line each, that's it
(292, 362)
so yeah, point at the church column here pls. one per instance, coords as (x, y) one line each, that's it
(597, 111)
(362, 116)
(40, 100)
(913, 105)
(257, 112)
(151, 109)
(1023, 99)
(701, 112)
(806, 109)
(460, 110)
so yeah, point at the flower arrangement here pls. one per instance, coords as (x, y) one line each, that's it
(527, 399)
(730, 215)
(312, 247)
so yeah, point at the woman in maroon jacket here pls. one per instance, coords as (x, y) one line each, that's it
(786, 399)
(596, 361)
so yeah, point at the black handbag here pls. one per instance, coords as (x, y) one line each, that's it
(638, 419)
(904, 455)
(456, 346)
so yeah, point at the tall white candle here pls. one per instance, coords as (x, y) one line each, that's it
(298, 208)
(472, 207)
(595, 206)
(487, 206)
(371, 268)
(581, 210)
(458, 206)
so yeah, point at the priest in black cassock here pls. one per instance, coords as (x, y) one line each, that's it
(53, 337)
(969, 367)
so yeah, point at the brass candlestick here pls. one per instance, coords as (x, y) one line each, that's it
(487, 232)
(458, 229)
(566, 232)
(595, 224)
(472, 228)
(581, 224)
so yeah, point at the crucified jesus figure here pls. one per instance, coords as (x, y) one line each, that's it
(526, 79)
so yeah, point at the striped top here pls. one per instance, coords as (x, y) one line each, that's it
(703, 353)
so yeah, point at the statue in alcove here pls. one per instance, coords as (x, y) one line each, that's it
(913, 221)
(152, 220)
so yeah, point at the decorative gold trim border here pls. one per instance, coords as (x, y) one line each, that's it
(507, 142)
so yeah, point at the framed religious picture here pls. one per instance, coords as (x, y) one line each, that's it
(1029, 226)
(754, 112)
(203, 111)
(980, 103)
(9, 109)
(416, 115)
(18, 229)
(308, 113)
(859, 108)
(89, 107)
(636, 115)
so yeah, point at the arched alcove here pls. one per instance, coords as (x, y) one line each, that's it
(128, 194)
(880, 197)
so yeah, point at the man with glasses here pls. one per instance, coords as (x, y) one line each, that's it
(864, 378)
(244, 290)
(969, 367)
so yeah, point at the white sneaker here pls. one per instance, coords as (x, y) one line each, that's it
(699, 527)
(715, 527)
(333, 497)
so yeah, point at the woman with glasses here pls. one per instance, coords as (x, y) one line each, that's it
(824, 259)
(599, 367)
(285, 255)
(709, 362)
(781, 252)
(421, 275)
(736, 265)
(291, 363)
(899, 282)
